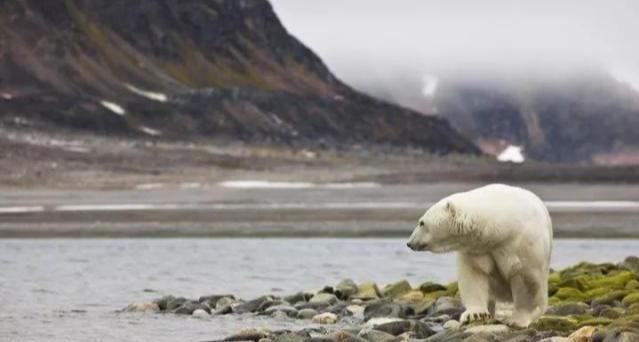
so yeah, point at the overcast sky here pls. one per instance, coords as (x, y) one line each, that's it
(364, 39)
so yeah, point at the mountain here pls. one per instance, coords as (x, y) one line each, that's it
(225, 70)
(583, 116)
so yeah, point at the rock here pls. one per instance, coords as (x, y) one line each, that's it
(452, 325)
(300, 336)
(325, 318)
(212, 300)
(223, 310)
(346, 288)
(610, 298)
(447, 305)
(189, 307)
(556, 339)
(382, 308)
(323, 299)
(417, 329)
(367, 291)
(163, 302)
(566, 309)
(554, 323)
(583, 334)
(423, 306)
(412, 297)
(428, 287)
(630, 299)
(254, 305)
(200, 313)
(396, 289)
(372, 335)
(287, 309)
(356, 310)
(175, 303)
(610, 312)
(618, 335)
(448, 336)
(224, 302)
(250, 334)
(298, 297)
(143, 307)
(631, 263)
(489, 328)
(632, 285)
(265, 339)
(306, 313)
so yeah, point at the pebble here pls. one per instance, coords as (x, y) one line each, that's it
(452, 325)
(307, 313)
(325, 318)
(199, 313)
(323, 299)
(488, 328)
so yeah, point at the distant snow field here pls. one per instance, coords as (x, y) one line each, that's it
(512, 154)
(148, 94)
(259, 184)
(114, 107)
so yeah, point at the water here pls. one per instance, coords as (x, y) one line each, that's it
(69, 290)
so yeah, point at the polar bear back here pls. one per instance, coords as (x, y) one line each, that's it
(505, 212)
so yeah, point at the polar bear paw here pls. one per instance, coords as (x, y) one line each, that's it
(517, 321)
(471, 315)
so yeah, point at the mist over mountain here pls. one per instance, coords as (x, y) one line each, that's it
(195, 69)
(559, 79)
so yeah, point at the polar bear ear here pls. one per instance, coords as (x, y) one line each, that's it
(450, 207)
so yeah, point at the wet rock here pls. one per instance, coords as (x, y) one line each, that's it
(356, 311)
(175, 303)
(447, 305)
(322, 339)
(189, 307)
(225, 310)
(519, 336)
(583, 334)
(428, 287)
(612, 298)
(448, 336)
(452, 325)
(286, 309)
(163, 302)
(423, 306)
(555, 339)
(265, 339)
(212, 300)
(325, 318)
(395, 290)
(143, 307)
(566, 309)
(300, 336)
(619, 335)
(415, 328)
(346, 288)
(200, 313)
(251, 334)
(307, 313)
(489, 328)
(366, 291)
(254, 305)
(372, 335)
(632, 285)
(412, 297)
(323, 299)
(609, 312)
(224, 302)
(382, 308)
(298, 297)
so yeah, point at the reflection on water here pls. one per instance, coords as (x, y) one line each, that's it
(65, 290)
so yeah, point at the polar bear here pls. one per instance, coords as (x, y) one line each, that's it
(503, 235)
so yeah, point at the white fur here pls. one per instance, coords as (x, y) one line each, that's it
(503, 236)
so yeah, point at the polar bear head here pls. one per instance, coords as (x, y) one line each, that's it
(440, 229)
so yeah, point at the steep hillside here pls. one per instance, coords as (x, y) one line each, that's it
(191, 69)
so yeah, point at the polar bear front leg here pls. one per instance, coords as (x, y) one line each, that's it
(473, 279)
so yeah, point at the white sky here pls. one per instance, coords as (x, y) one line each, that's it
(364, 39)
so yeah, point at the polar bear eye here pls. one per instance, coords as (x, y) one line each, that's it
(421, 223)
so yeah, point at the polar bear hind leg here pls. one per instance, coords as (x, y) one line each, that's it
(529, 297)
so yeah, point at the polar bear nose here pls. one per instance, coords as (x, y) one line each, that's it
(409, 245)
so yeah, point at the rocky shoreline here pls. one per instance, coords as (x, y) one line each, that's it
(587, 302)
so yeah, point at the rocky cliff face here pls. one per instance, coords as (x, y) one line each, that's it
(192, 69)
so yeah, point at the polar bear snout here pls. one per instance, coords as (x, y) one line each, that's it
(416, 246)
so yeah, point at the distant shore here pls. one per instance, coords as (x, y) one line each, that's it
(289, 210)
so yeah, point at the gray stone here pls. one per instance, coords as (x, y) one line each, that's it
(251, 334)
(417, 329)
(164, 301)
(382, 308)
(284, 308)
(617, 335)
(254, 305)
(323, 299)
(224, 302)
(345, 288)
(373, 335)
(447, 336)
(448, 306)
(174, 303)
(298, 297)
(212, 300)
(307, 313)
(300, 336)
(566, 309)
(189, 307)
